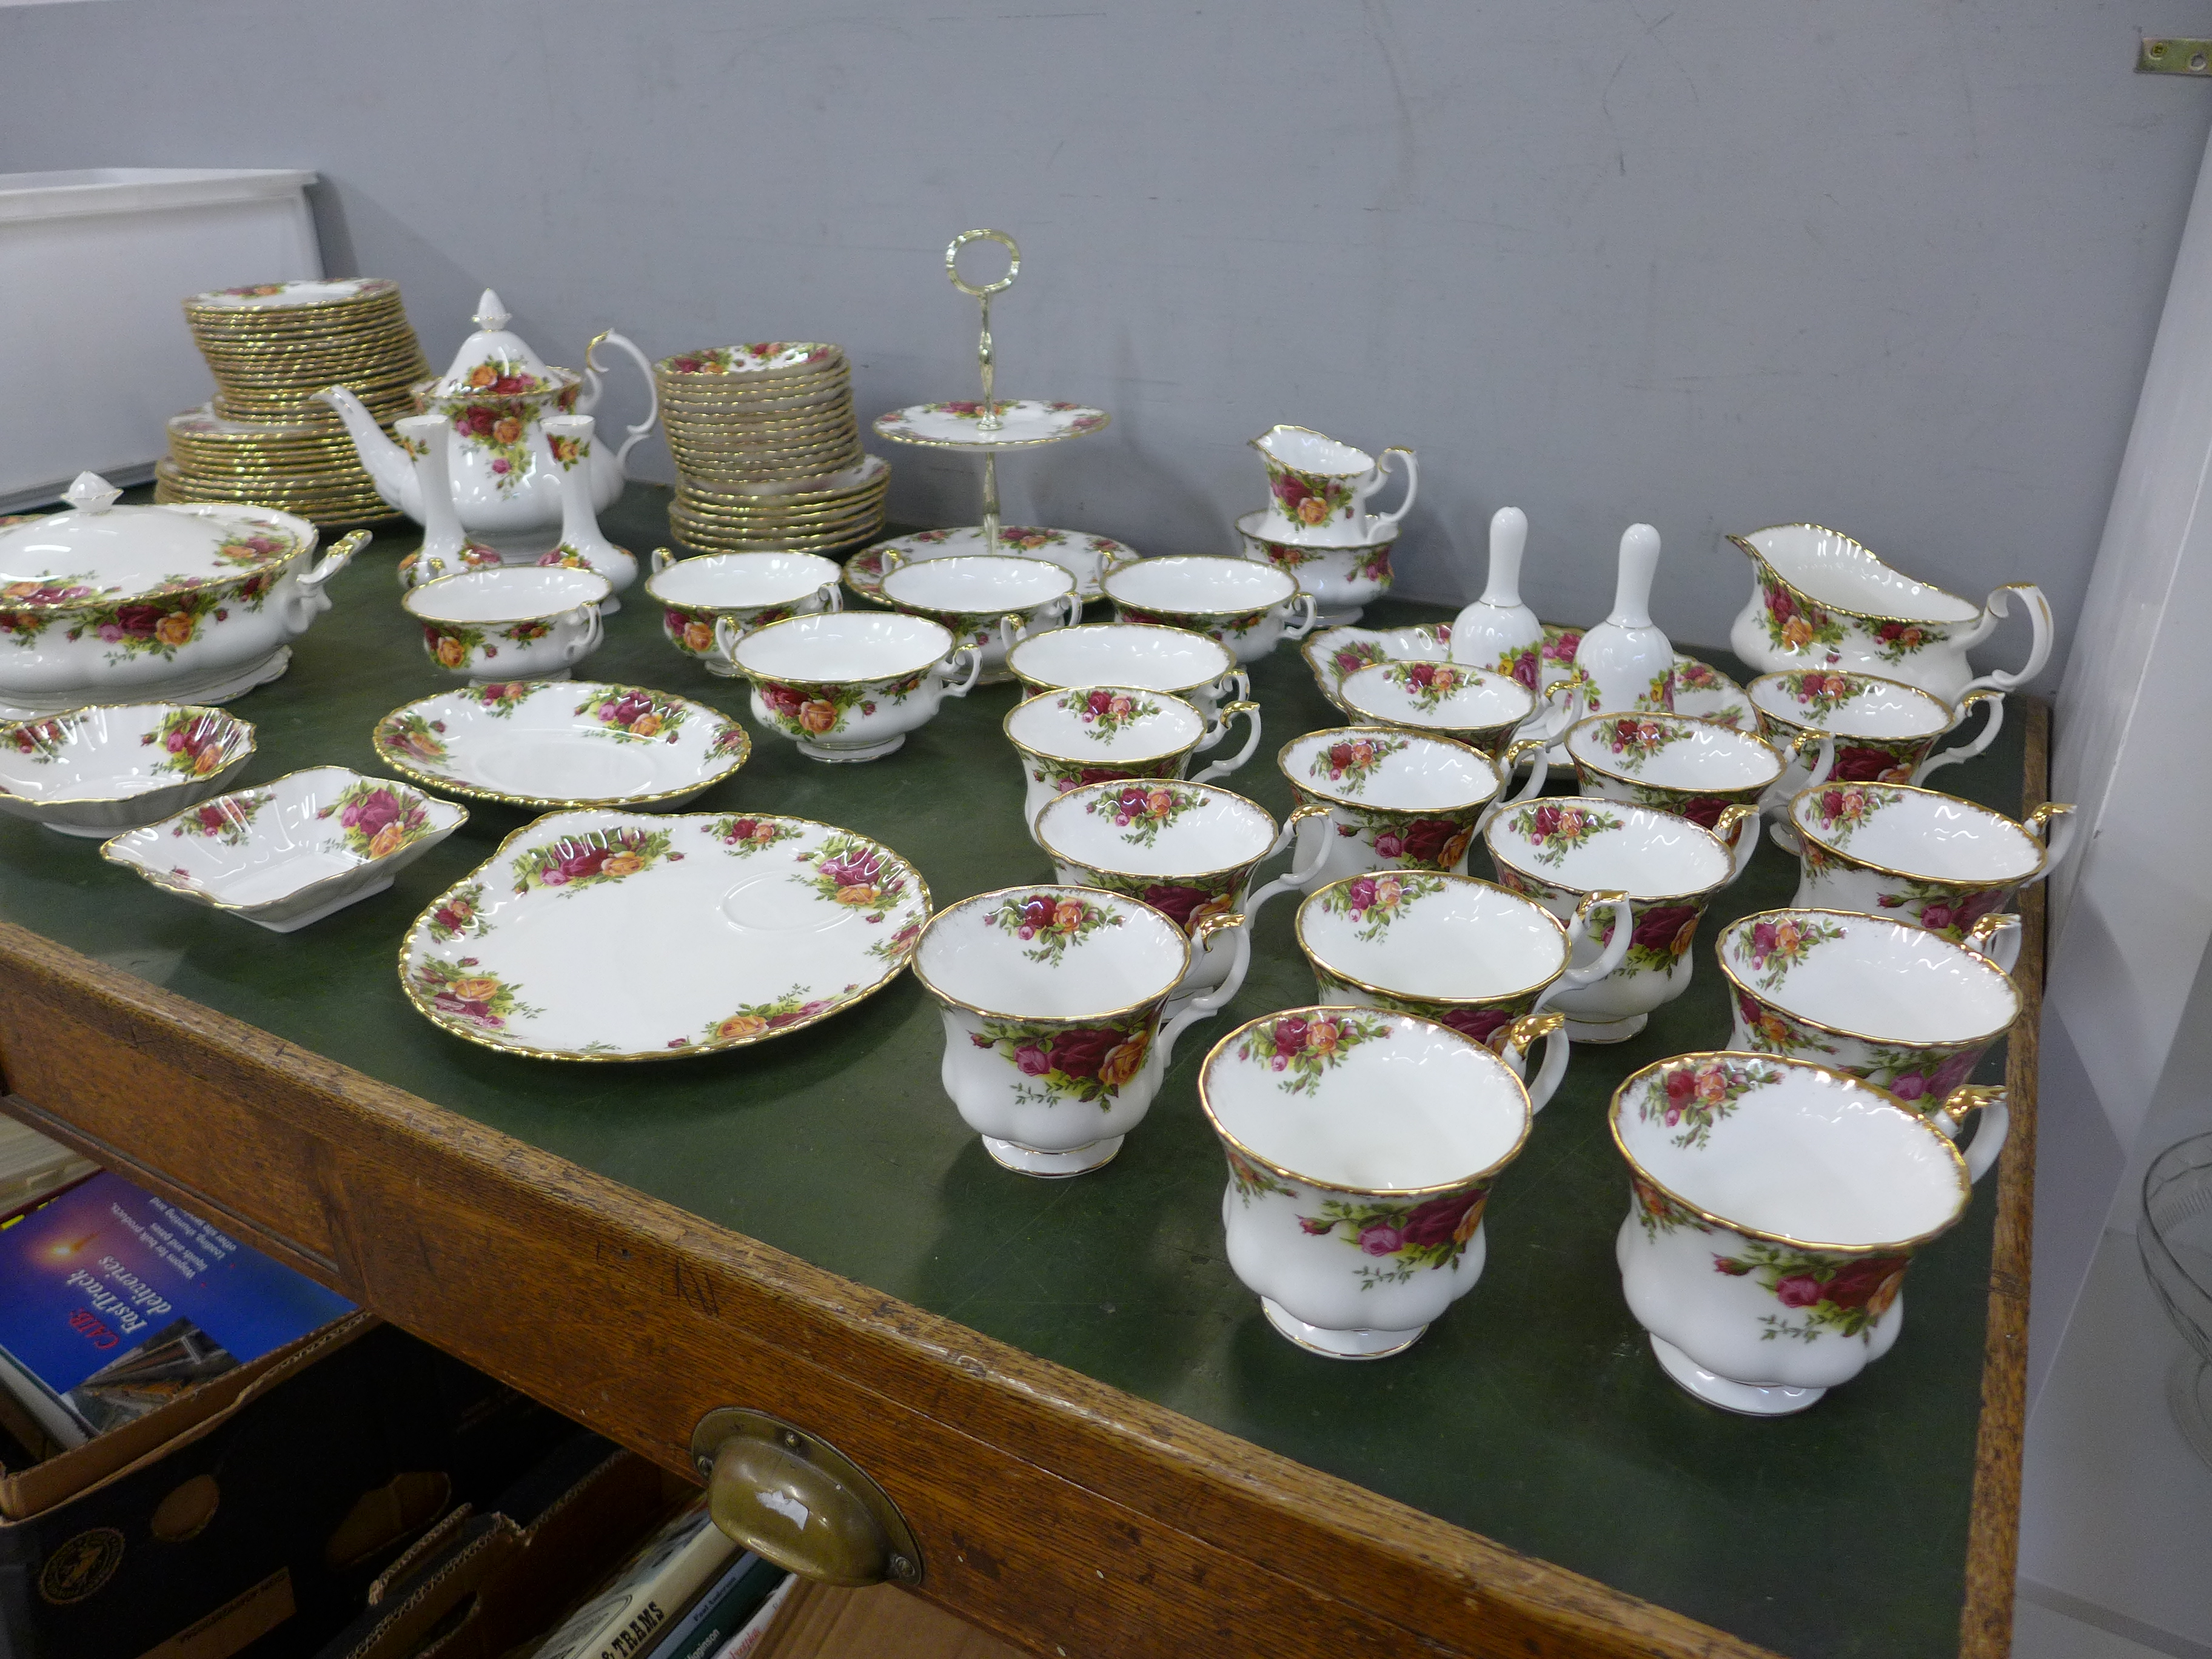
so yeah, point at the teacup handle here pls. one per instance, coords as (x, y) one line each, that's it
(1222, 769)
(1521, 1036)
(833, 596)
(1218, 998)
(2039, 650)
(1311, 606)
(1564, 706)
(1737, 829)
(1537, 751)
(1996, 937)
(1384, 523)
(1299, 873)
(1616, 946)
(594, 631)
(1071, 604)
(1994, 701)
(1992, 1102)
(950, 666)
(1236, 685)
(1012, 631)
(2056, 841)
(658, 559)
(1781, 793)
(888, 560)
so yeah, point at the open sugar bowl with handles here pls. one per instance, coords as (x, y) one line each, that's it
(1188, 850)
(1398, 799)
(1203, 672)
(1247, 607)
(1363, 1148)
(1881, 999)
(989, 601)
(1116, 734)
(1774, 1206)
(1560, 851)
(709, 602)
(1818, 599)
(846, 686)
(1464, 952)
(1919, 855)
(1689, 767)
(1318, 488)
(510, 623)
(1052, 999)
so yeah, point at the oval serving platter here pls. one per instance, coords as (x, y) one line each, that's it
(619, 936)
(562, 742)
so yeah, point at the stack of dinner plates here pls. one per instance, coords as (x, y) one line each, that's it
(767, 449)
(264, 440)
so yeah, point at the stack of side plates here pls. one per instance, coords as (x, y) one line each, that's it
(272, 347)
(767, 449)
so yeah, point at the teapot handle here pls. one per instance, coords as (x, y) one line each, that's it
(1990, 698)
(2039, 650)
(1386, 524)
(652, 391)
(1222, 769)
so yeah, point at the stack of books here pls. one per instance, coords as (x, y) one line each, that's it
(685, 1593)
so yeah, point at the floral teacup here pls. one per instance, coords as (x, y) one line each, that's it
(515, 622)
(846, 686)
(1247, 607)
(1110, 734)
(1342, 577)
(1774, 1207)
(1885, 731)
(1051, 999)
(1878, 999)
(1362, 1148)
(1558, 852)
(1187, 849)
(1463, 952)
(1681, 765)
(1203, 672)
(1397, 799)
(1318, 488)
(1919, 856)
(748, 591)
(1449, 699)
(987, 600)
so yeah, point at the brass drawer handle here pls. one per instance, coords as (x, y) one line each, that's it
(797, 1500)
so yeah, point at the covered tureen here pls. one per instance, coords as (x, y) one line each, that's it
(183, 604)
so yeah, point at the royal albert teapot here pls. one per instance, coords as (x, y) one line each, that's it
(504, 469)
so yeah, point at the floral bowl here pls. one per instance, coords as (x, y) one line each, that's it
(1919, 855)
(93, 771)
(285, 853)
(747, 590)
(1674, 762)
(1397, 799)
(1203, 672)
(988, 601)
(1449, 699)
(1342, 579)
(1362, 1149)
(1248, 608)
(542, 743)
(516, 622)
(1114, 733)
(1878, 999)
(172, 603)
(1052, 999)
(849, 686)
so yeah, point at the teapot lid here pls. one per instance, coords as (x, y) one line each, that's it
(493, 362)
(97, 550)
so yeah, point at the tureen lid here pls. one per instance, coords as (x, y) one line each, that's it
(493, 362)
(98, 550)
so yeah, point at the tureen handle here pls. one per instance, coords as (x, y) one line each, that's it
(652, 391)
(336, 559)
(1992, 1102)
(1537, 752)
(1991, 727)
(1311, 606)
(307, 600)
(90, 493)
(1522, 1034)
(1218, 998)
(1737, 829)
(1616, 944)
(2039, 650)
(2056, 840)
(1997, 938)
(1222, 769)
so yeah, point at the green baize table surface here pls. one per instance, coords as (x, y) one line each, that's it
(1532, 1413)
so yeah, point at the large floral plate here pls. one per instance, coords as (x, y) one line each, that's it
(1084, 555)
(562, 742)
(958, 425)
(608, 935)
(1701, 691)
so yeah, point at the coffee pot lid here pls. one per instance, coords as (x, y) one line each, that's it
(493, 362)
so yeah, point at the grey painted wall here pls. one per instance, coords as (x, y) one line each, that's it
(1894, 265)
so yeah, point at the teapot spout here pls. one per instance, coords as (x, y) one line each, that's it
(387, 464)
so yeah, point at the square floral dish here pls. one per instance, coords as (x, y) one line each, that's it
(93, 771)
(285, 853)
